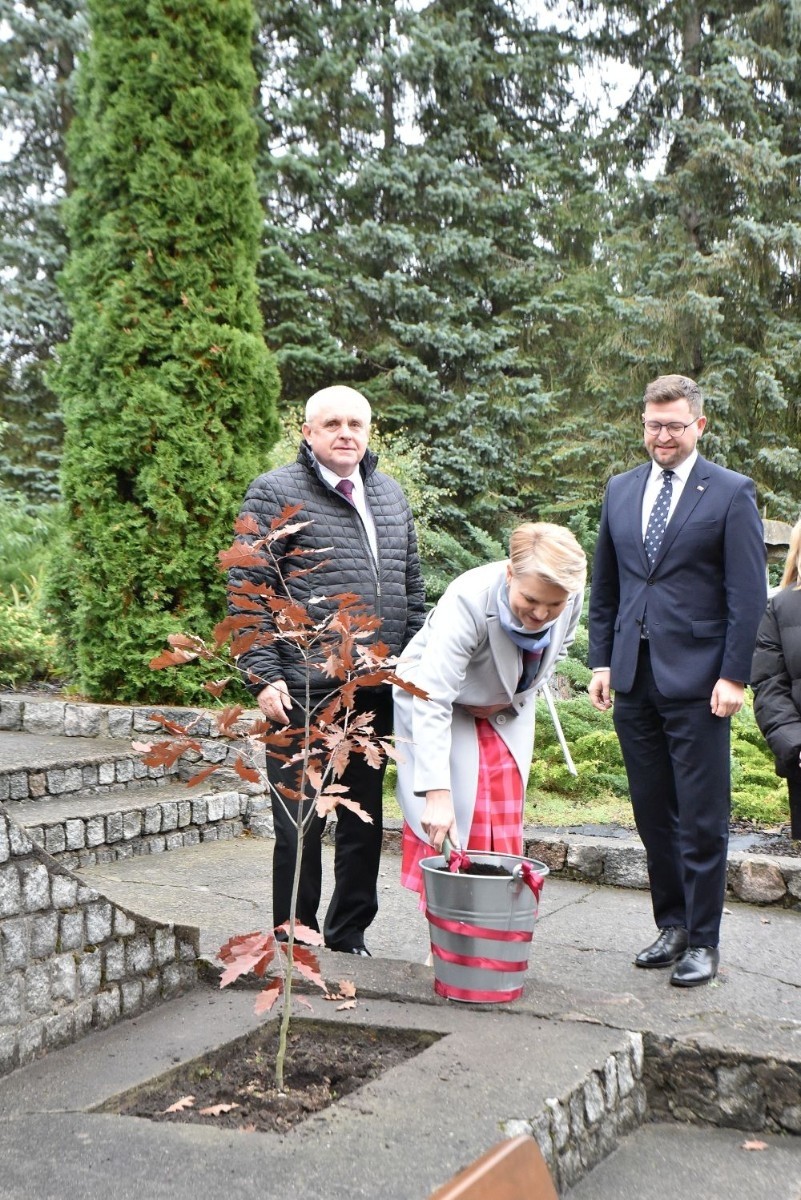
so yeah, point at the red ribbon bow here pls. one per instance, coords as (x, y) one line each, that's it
(458, 861)
(532, 878)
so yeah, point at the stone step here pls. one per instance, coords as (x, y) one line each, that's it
(38, 767)
(662, 1160)
(46, 715)
(88, 828)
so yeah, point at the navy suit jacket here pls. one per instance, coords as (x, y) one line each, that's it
(705, 595)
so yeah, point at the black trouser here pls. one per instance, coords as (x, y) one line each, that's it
(357, 853)
(677, 762)
(794, 796)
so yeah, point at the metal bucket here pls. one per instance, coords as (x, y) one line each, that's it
(481, 928)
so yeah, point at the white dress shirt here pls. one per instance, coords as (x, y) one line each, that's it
(359, 501)
(654, 486)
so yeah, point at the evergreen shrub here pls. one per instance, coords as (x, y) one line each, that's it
(167, 388)
(26, 530)
(29, 647)
(757, 794)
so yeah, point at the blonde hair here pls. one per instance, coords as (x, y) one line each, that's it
(550, 551)
(792, 568)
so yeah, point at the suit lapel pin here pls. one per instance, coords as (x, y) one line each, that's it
(699, 488)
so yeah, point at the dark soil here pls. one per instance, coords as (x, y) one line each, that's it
(324, 1063)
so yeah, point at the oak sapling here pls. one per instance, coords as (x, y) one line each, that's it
(314, 748)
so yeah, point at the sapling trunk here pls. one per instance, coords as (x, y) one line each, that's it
(283, 1030)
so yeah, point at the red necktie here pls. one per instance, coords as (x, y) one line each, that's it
(345, 488)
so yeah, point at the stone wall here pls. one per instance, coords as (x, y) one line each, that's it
(31, 714)
(693, 1081)
(577, 1131)
(616, 863)
(71, 961)
(157, 825)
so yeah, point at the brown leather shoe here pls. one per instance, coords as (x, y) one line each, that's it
(697, 965)
(668, 947)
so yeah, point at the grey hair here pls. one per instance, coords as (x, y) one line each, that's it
(338, 394)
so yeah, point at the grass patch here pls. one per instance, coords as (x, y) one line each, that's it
(555, 810)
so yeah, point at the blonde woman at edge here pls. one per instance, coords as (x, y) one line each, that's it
(492, 640)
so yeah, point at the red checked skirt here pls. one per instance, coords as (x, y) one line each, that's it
(498, 816)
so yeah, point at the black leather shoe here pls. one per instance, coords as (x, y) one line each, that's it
(668, 947)
(362, 951)
(697, 965)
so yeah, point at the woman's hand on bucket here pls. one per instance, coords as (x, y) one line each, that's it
(438, 820)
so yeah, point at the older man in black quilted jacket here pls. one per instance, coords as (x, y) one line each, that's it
(363, 521)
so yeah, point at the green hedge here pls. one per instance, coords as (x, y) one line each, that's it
(168, 389)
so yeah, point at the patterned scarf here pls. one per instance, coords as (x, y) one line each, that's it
(533, 643)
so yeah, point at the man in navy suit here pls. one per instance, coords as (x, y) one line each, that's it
(678, 590)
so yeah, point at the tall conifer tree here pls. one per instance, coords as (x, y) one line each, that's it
(706, 248)
(430, 166)
(37, 55)
(167, 387)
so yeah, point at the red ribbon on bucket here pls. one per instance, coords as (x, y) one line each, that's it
(465, 929)
(532, 878)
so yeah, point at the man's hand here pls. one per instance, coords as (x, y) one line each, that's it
(727, 698)
(599, 690)
(438, 820)
(275, 702)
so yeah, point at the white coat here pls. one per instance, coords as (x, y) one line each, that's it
(462, 656)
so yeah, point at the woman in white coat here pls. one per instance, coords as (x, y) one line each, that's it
(492, 640)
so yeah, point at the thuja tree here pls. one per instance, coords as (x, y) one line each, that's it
(168, 390)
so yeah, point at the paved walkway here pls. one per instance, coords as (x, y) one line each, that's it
(404, 1134)
(582, 953)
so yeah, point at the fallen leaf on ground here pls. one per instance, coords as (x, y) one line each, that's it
(347, 1004)
(215, 1110)
(347, 988)
(180, 1105)
(754, 1145)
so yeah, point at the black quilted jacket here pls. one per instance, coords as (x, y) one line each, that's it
(776, 677)
(391, 588)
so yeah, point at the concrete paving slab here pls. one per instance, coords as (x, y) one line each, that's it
(396, 1138)
(708, 1163)
(581, 958)
(224, 888)
(402, 1135)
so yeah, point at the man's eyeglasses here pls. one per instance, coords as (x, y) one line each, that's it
(674, 428)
